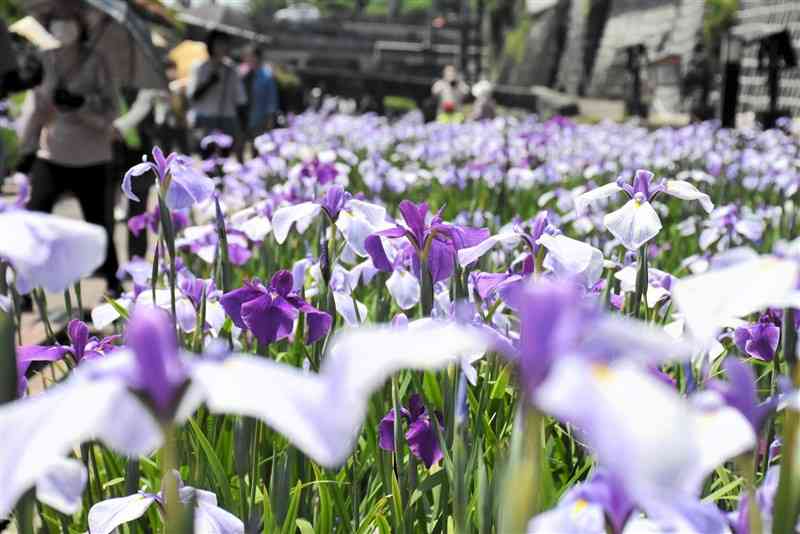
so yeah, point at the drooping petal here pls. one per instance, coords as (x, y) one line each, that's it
(355, 230)
(256, 228)
(404, 288)
(423, 441)
(36, 353)
(269, 319)
(136, 170)
(386, 431)
(211, 519)
(687, 191)
(712, 300)
(284, 217)
(318, 323)
(441, 260)
(625, 413)
(232, 301)
(105, 314)
(40, 430)
(634, 224)
(570, 258)
(471, 254)
(62, 486)
(321, 413)
(373, 245)
(346, 307)
(374, 214)
(595, 195)
(574, 517)
(36, 242)
(106, 516)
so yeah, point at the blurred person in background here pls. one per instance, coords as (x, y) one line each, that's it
(12, 80)
(155, 118)
(450, 92)
(67, 124)
(262, 95)
(216, 93)
(485, 107)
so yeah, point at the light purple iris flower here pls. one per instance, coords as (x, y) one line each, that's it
(180, 183)
(421, 435)
(637, 222)
(106, 516)
(33, 243)
(557, 318)
(624, 413)
(538, 227)
(354, 218)
(730, 226)
(107, 399)
(83, 348)
(436, 240)
(269, 312)
(587, 507)
(759, 340)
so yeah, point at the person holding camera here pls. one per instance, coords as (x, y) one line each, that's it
(216, 93)
(67, 123)
(450, 92)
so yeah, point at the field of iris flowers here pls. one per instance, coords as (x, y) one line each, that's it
(399, 327)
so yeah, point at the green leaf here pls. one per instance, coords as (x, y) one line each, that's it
(8, 359)
(304, 526)
(217, 469)
(500, 385)
(289, 523)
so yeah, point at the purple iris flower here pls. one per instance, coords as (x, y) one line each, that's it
(269, 312)
(435, 241)
(83, 347)
(151, 220)
(159, 372)
(421, 435)
(324, 171)
(334, 200)
(181, 185)
(759, 340)
(740, 392)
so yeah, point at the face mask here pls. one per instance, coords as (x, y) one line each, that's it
(65, 31)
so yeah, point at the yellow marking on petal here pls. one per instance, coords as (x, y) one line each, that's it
(602, 372)
(579, 506)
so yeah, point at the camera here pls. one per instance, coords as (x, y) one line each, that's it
(66, 100)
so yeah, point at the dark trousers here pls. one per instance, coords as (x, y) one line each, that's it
(94, 190)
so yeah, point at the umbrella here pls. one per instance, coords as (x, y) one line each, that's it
(186, 54)
(223, 19)
(117, 32)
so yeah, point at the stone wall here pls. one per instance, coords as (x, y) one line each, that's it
(779, 14)
(664, 26)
